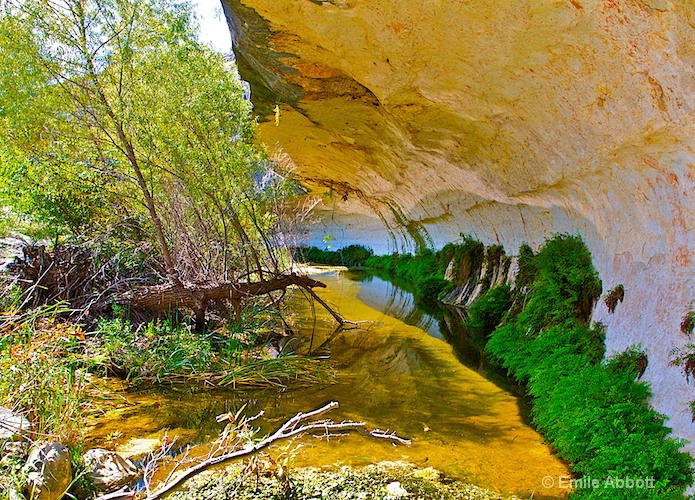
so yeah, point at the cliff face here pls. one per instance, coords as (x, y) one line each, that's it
(419, 120)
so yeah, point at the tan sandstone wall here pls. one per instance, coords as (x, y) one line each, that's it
(506, 120)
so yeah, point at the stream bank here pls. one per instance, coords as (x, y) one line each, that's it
(382, 481)
(594, 410)
(389, 374)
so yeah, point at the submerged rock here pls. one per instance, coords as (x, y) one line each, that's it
(49, 472)
(12, 425)
(107, 470)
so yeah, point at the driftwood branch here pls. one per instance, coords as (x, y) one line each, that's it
(390, 436)
(69, 274)
(328, 308)
(301, 423)
(175, 295)
(122, 494)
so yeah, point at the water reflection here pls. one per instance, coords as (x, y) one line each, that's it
(439, 321)
(394, 372)
(394, 301)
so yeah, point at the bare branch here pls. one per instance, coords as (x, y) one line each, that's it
(301, 423)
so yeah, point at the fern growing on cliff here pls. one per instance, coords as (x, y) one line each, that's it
(614, 296)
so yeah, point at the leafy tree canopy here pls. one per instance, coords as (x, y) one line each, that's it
(112, 109)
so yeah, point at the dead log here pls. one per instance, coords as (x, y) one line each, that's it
(68, 274)
(196, 297)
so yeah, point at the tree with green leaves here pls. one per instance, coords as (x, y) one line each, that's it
(113, 109)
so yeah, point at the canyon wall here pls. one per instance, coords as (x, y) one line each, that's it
(416, 121)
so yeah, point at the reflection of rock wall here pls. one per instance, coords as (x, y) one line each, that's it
(393, 301)
(505, 120)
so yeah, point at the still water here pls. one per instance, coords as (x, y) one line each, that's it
(395, 371)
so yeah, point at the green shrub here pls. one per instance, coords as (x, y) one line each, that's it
(526, 272)
(487, 312)
(595, 415)
(350, 256)
(430, 288)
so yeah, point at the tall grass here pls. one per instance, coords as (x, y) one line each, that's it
(170, 352)
(39, 376)
(153, 352)
(278, 372)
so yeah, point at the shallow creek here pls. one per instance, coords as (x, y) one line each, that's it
(394, 372)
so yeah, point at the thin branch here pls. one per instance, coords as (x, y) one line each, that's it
(328, 308)
(301, 423)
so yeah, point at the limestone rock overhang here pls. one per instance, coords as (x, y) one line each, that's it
(417, 121)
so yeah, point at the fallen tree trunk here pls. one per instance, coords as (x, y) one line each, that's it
(174, 295)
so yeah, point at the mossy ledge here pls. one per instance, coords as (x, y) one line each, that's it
(594, 412)
(385, 480)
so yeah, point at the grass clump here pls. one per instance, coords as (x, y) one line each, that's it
(595, 414)
(171, 352)
(276, 372)
(153, 352)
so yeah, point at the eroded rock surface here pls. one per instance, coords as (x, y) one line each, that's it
(107, 470)
(417, 121)
(49, 472)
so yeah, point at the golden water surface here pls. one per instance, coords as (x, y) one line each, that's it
(391, 375)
